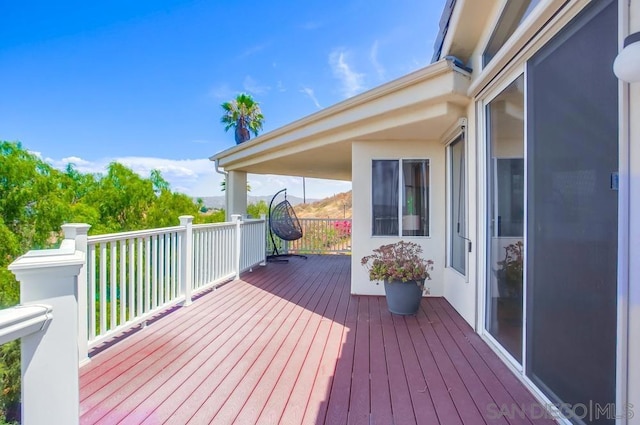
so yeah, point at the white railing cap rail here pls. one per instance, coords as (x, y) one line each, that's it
(133, 234)
(213, 225)
(36, 259)
(19, 321)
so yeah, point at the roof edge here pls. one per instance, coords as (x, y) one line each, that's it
(428, 72)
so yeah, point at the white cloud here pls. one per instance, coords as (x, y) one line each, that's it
(268, 184)
(373, 55)
(309, 92)
(222, 91)
(253, 50)
(352, 81)
(281, 87)
(252, 86)
(197, 177)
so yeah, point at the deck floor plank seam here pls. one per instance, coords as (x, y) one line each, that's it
(492, 371)
(163, 358)
(463, 401)
(292, 329)
(312, 408)
(289, 344)
(259, 333)
(283, 393)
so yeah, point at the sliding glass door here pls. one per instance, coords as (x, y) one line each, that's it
(552, 215)
(505, 128)
(572, 158)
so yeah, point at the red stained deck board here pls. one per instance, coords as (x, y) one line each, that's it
(180, 360)
(401, 405)
(459, 393)
(359, 404)
(289, 344)
(303, 362)
(475, 388)
(314, 382)
(381, 412)
(509, 390)
(164, 355)
(269, 365)
(339, 395)
(225, 371)
(418, 389)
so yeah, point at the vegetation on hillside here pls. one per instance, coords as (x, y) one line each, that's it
(336, 206)
(36, 199)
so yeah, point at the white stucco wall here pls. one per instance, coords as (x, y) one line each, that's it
(461, 291)
(362, 241)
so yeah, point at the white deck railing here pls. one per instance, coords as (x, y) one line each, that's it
(47, 324)
(134, 275)
(322, 236)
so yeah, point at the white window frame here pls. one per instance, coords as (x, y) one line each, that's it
(483, 216)
(462, 133)
(401, 197)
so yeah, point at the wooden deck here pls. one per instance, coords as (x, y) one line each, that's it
(288, 344)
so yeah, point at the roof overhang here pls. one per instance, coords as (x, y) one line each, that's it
(419, 106)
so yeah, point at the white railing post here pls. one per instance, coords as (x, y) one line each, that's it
(263, 217)
(236, 265)
(50, 376)
(78, 232)
(186, 259)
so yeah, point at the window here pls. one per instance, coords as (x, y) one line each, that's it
(400, 196)
(457, 206)
(512, 15)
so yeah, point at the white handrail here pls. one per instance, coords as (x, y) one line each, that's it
(132, 276)
(20, 321)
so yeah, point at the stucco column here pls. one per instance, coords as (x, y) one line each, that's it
(236, 194)
(634, 232)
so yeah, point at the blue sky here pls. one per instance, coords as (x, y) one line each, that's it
(141, 82)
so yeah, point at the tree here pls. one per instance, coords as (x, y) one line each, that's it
(254, 210)
(242, 113)
(223, 186)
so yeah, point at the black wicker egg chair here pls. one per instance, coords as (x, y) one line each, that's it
(284, 224)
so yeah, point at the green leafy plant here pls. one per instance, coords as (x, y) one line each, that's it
(401, 261)
(511, 268)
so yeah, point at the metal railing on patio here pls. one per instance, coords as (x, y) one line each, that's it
(319, 236)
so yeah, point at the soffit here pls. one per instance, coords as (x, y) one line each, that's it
(467, 27)
(419, 106)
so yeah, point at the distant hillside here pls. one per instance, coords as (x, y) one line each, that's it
(337, 206)
(218, 201)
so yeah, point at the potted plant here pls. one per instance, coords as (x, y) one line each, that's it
(510, 272)
(403, 270)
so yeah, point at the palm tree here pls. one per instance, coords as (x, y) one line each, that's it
(245, 115)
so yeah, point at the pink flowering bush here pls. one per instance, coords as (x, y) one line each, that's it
(401, 261)
(343, 228)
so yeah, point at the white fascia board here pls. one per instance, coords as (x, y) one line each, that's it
(439, 82)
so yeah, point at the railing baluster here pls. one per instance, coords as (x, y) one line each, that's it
(91, 281)
(103, 288)
(123, 282)
(131, 275)
(113, 286)
(140, 280)
(147, 274)
(132, 279)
